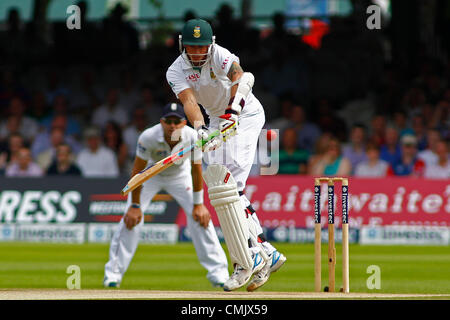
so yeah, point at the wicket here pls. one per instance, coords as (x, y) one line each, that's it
(331, 243)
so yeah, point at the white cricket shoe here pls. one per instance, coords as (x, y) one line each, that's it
(276, 260)
(110, 283)
(241, 276)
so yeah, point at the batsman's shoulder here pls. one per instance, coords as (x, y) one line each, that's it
(176, 66)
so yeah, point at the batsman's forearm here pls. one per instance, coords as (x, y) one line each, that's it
(136, 195)
(194, 114)
(233, 91)
(138, 166)
(191, 108)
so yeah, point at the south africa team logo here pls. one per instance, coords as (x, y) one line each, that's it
(197, 33)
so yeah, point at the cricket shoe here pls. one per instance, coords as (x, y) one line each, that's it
(218, 284)
(110, 283)
(241, 276)
(276, 260)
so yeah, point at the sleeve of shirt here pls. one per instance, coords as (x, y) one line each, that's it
(143, 146)
(223, 59)
(176, 80)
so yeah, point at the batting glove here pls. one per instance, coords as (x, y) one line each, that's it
(228, 124)
(203, 133)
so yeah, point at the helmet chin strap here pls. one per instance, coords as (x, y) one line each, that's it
(202, 62)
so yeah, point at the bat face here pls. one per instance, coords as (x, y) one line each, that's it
(139, 178)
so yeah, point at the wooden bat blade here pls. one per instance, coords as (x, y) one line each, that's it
(139, 178)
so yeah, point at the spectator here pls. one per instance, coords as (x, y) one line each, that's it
(355, 149)
(407, 164)
(110, 111)
(3, 159)
(373, 166)
(429, 155)
(320, 149)
(400, 123)
(39, 110)
(42, 141)
(332, 163)
(96, 160)
(28, 127)
(358, 111)
(442, 116)
(428, 115)
(112, 138)
(12, 126)
(413, 100)
(24, 166)
(60, 109)
(10, 150)
(419, 130)
(308, 133)
(441, 169)
(131, 133)
(328, 120)
(46, 157)
(291, 159)
(63, 164)
(390, 150)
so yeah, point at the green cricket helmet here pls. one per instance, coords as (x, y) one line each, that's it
(196, 32)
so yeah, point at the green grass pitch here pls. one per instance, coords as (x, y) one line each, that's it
(404, 269)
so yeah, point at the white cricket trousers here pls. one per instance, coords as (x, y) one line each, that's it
(206, 243)
(238, 153)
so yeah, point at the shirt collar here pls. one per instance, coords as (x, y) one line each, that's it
(185, 65)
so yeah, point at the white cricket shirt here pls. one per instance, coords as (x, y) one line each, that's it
(211, 86)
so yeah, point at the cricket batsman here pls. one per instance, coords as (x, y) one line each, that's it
(183, 181)
(208, 74)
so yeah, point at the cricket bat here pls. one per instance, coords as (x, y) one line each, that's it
(139, 178)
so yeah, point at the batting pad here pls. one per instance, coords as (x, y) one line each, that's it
(224, 197)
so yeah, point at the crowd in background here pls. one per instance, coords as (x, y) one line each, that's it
(75, 102)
